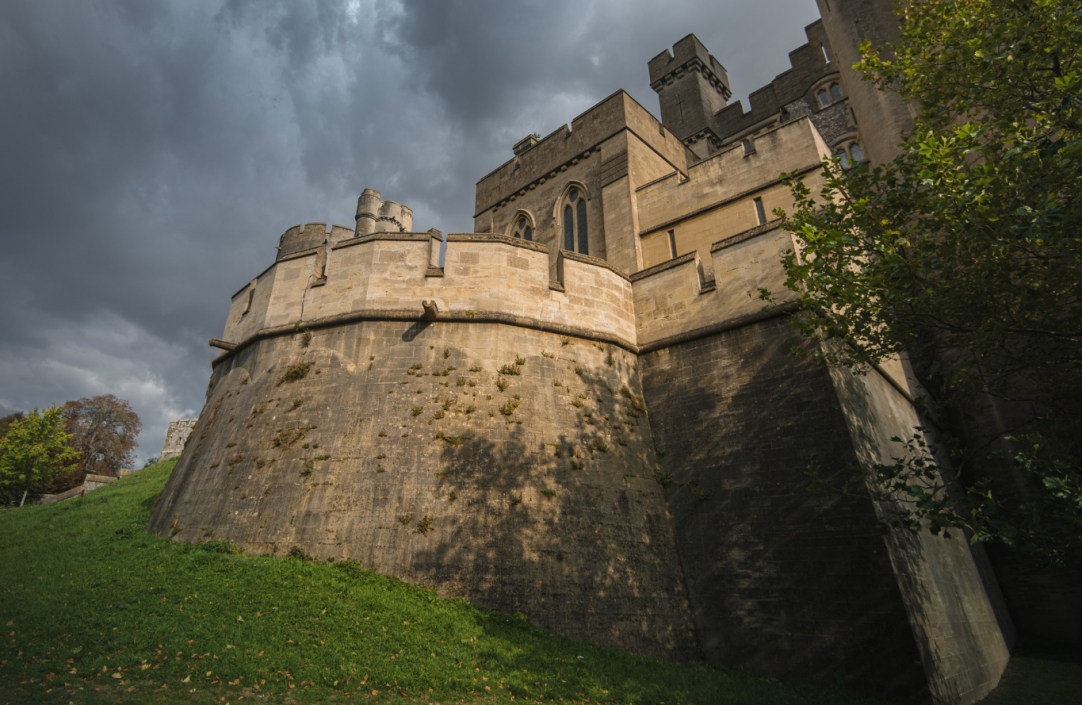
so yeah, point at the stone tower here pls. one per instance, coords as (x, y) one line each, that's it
(692, 87)
(882, 118)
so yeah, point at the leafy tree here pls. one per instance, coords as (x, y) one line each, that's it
(5, 422)
(34, 451)
(103, 430)
(965, 254)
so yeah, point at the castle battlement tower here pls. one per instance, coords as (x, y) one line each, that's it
(692, 87)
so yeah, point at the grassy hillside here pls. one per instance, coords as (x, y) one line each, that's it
(93, 609)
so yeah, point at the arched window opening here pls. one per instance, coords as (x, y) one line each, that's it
(850, 154)
(522, 227)
(828, 94)
(576, 227)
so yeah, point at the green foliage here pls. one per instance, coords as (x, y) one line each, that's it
(964, 253)
(212, 625)
(6, 421)
(33, 452)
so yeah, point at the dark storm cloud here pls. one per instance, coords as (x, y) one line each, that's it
(152, 152)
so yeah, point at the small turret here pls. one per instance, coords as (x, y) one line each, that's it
(368, 206)
(378, 216)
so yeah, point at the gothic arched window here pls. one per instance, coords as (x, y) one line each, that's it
(522, 226)
(829, 94)
(576, 228)
(849, 154)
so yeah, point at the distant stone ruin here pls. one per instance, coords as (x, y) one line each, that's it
(176, 437)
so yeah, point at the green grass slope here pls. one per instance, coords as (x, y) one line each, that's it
(94, 609)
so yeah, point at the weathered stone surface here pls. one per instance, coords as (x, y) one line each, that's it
(175, 438)
(397, 448)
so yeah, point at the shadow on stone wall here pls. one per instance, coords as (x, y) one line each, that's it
(782, 581)
(569, 530)
(959, 617)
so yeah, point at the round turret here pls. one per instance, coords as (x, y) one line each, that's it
(390, 218)
(368, 207)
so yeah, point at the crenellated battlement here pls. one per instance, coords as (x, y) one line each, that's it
(690, 296)
(310, 235)
(488, 277)
(485, 277)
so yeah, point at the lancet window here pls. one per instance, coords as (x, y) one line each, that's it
(576, 226)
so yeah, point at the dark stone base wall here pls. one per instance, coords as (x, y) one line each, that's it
(399, 449)
(782, 582)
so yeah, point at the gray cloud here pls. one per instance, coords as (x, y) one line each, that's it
(152, 152)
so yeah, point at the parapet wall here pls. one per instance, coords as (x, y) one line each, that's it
(485, 277)
(556, 152)
(687, 295)
(809, 63)
(495, 278)
(730, 174)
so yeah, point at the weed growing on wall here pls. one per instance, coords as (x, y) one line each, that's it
(295, 372)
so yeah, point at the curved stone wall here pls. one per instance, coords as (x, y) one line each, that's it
(404, 446)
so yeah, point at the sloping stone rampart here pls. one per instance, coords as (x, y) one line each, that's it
(397, 447)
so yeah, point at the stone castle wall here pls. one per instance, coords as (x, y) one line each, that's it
(405, 447)
(507, 451)
(783, 582)
(716, 198)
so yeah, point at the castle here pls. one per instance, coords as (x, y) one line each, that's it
(583, 412)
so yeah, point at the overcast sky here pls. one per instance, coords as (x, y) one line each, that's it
(152, 152)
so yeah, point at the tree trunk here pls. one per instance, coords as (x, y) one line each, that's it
(23, 500)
